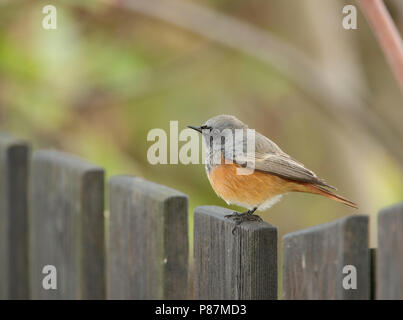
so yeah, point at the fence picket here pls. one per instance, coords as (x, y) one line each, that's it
(13, 218)
(314, 258)
(66, 203)
(389, 256)
(148, 240)
(242, 265)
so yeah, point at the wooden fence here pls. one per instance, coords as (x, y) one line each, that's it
(52, 215)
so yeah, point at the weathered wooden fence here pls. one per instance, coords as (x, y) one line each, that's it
(233, 266)
(389, 255)
(52, 219)
(314, 260)
(13, 218)
(148, 240)
(66, 226)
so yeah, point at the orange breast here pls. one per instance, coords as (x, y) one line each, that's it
(252, 190)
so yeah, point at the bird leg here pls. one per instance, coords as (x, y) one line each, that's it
(238, 218)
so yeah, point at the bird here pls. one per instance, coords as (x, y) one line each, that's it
(274, 172)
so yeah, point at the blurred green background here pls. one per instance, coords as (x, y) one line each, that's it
(108, 74)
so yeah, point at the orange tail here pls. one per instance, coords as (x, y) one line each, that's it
(328, 194)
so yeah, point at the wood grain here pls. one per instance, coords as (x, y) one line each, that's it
(66, 203)
(389, 256)
(13, 218)
(242, 265)
(313, 260)
(148, 240)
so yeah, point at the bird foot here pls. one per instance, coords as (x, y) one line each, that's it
(239, 218)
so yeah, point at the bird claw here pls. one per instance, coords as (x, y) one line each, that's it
(239, 218)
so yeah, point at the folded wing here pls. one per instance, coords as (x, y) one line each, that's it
(287, 168)
(271, 159)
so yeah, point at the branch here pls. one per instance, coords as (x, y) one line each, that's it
(387, 35)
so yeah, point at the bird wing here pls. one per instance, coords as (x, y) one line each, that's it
(288, 168)
(271, 159)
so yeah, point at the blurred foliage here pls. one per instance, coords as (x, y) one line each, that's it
(106, 76)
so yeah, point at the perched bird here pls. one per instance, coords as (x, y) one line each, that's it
(274, 173)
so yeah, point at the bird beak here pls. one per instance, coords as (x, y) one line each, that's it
(195, 128)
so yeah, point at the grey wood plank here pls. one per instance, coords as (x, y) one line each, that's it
(66, 203)
(372, 254)
(148, 240)
(13, 218)
(314, 258)
(389, 256)
(242, 265)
